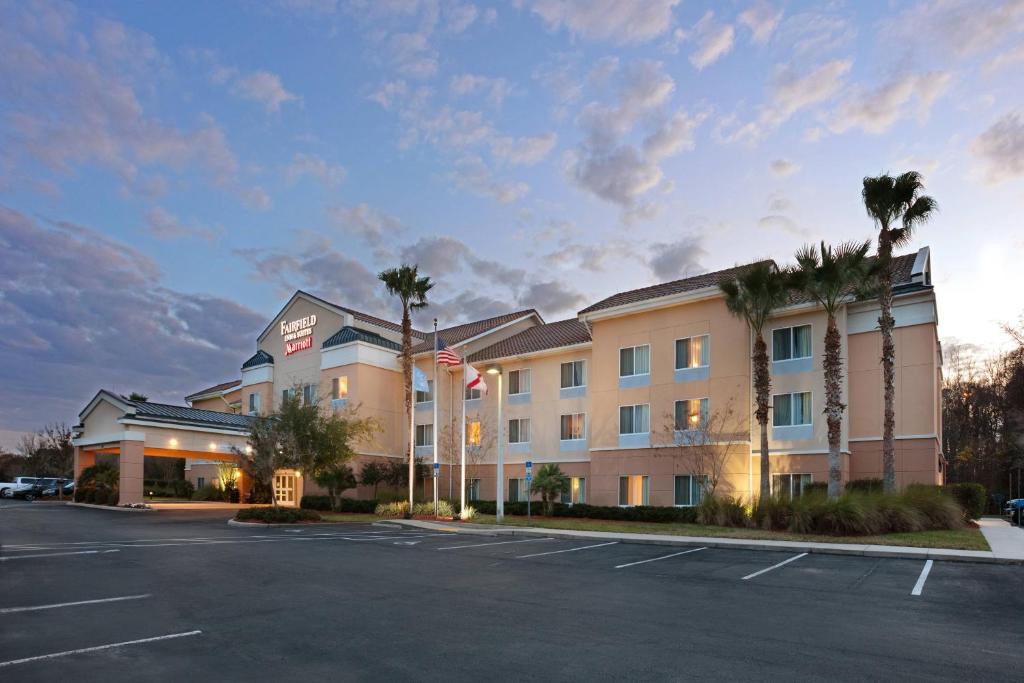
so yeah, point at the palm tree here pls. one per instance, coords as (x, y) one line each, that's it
(888, 200)
(549, 483)
(411, 289)
(752, 295)
(828, 276)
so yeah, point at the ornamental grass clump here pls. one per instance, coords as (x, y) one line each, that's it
(396, 510)
(723, 511)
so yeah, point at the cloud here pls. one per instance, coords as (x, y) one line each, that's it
(494, 89)
(783, 167)
(674, 136)
(1005, 59)
(610, 20)
(265, 88)
(472, 174)
(761, 18)
(876, 110)
(781, 222)
(677, 260)
(714, 41)
(164, 225)
(958, 27)
(523, 151)
(68, 330)
(815, 33)
(1000, 148)
(311, 165)
(366, 223)
(551, 298)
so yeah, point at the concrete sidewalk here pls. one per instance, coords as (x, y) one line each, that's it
(1005, 554)
(1006, 540)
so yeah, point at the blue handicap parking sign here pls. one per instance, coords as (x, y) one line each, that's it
(437, 468)
(529, 464)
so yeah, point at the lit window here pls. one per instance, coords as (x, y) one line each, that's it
(635, 419)
(517, 490)
(577, 492)
(518, 382)
(633, 490)
(574, 427)
(519, 430)
(473, 433)
(691, 414)
(425, 435)
(790, 410)
(689, 489)
(339, 387)
(472, 394)
(790, 343)
(693, 352)
(573, 374)
(635, 360)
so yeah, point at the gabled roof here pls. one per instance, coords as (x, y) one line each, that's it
(554, 335)
(261, 357)
(689, 284)
(215, 390)
(358, 315)
(459, 334)
(349, 334)
(170, 414)
(903, 279)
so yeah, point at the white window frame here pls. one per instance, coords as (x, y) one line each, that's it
(522, 489)
(423, 429)
(693, 480)
(685, 400)
(583, 373)
(790, 395)
(519, 373)
(618, 360)
(583, 421)
(634, 406)
(644, 490)
(791, 327)
(791, 475)
(472, 394)
(336, 387)
(520, 421)
(429, 393)
(675, 351)
(254, 405)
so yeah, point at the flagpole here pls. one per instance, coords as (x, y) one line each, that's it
(462, 458)
(435, 398)
(412, 436)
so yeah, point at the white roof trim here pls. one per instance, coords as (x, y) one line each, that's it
(110, 397)
(491, 330)
(651, 304)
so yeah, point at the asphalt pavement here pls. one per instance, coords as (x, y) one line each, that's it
(170, 596)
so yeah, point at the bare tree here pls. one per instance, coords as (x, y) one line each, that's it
(478, 445)
(705, 445)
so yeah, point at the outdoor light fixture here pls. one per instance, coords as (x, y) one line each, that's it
(494, 370)
(248, 450)
(173, 443)
(213, 446)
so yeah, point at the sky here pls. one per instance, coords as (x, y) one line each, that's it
(171, 172)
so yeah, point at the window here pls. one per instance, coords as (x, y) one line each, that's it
(790, 410)
(633, 490)
(690, 489)
(519, 430)
(428, 395)
(635, 419)
(789, 485)
(287, 394)
(574, 427)
(254, 403)
(472, 394)
(573, 374)
(339, 387)
(473, 433)
(577, 492)
(789, 343)
(425, 435)
(635, 360)
(473, 489)
(517, 490)
(200, 482)
(518, 382)
(692, 414)
(309, 396)
(693, 352)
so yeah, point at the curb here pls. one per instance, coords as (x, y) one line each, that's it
(292, 525)
(115, 508)
(892, 552)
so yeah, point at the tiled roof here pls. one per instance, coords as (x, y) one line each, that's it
(452, 336)
(539, 338)
(666, 289)
(261, 357)
(195, 416)
(350, 334)
(902, 268)
(380, 322)
(215, 389)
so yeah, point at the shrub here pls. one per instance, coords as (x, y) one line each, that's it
(865, 485)
(99, 497)
(468, 513)
(971, 497)
(896, 514)
(391, 496)
(816, 488)
(639, 513)
(322, 503)
(112, 497)
(208, 492)
(354, 505)
(772, 514)
(939, 510)
(722, 511)
(423, 510)
(397, 510)
(279, 515)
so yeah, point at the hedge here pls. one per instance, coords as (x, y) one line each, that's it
(973, 498)
(278, 515)
(865, 485)
(323, 504)
(638, 513)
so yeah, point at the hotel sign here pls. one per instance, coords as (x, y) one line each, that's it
(298, 334)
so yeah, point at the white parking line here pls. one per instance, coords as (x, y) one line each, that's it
(65, 653)
(919, 586)
(253, 539)
(568, 550)
(481, 545)
(774, 566)
(663, 557)
(11, 610)
(77, 552)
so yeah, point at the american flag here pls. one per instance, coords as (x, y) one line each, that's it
(446, 356)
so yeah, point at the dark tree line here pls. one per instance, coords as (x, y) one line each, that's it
(983, 417)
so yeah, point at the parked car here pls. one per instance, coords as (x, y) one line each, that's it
(51, 486)
(22, 487)
(1013, 510)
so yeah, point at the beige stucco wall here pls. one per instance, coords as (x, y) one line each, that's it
(221, 404)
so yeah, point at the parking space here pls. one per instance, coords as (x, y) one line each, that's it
(166, 595)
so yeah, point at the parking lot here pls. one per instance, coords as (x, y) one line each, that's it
(116, 596)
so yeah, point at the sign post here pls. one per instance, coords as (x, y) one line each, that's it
(437, 473)
(529, 478)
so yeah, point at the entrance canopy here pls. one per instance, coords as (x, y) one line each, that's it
(134, 429)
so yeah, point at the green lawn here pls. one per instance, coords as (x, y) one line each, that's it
(956, 539)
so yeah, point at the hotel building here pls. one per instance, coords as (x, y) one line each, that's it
(623, 397)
